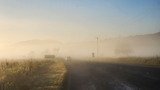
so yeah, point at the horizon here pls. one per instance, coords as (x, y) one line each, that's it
(52, 39)
(79, 44)
(70, 21)
(147, 45)
(77, 24)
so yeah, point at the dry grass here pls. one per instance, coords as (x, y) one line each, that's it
(154, 61)
(149, 61)
(32, 75)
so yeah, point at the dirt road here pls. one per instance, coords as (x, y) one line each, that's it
(85, 75)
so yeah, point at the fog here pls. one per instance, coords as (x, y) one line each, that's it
(139, 45)
(34, 28)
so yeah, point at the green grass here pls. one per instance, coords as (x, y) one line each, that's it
(32, 75)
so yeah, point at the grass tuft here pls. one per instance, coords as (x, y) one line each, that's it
(32, 75)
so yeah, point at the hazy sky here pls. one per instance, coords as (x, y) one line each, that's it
(76, 20)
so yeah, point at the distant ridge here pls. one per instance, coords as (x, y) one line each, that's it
(38, 42)
(150, 35)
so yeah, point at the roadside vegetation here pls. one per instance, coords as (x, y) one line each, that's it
(32, 74)
(153, 61)
(148, 61)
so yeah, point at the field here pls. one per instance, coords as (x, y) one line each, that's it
(142, 61)
(127, 73)
(32, 74)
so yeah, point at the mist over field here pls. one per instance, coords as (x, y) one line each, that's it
(79, 44)
(138, 45)
(32, 29)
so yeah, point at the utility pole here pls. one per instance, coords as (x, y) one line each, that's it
(97, 46)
